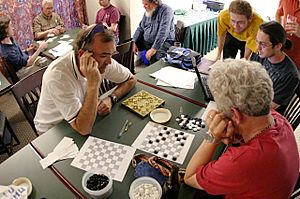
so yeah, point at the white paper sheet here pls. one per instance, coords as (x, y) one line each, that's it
(66, 148)
(109, 156)
(174, 77)
(66, 36)
(12, 191)
(61, 49)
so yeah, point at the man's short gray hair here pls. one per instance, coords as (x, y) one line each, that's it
(44, 2)
(157, 2)
(241, 84)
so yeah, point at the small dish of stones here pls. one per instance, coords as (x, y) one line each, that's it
(97, 183)
(145, 187)
(161, 115)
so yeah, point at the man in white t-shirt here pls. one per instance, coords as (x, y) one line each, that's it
(70, 86)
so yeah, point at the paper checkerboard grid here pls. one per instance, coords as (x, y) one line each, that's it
(165, 142)
(109, 156)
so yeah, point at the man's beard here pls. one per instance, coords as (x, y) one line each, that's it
(149, 13)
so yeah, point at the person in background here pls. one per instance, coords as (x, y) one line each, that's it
(70, 87)
(290, 9)
(47, 23)
(266, 164)
(23, 63)
(271, 41)
(237, 28)
(156, 32)
(109, 16)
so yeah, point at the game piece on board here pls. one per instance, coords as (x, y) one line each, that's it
(169, 148)
(143, 103)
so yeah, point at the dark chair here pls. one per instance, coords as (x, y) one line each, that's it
(27, 93)
(11, 71)
(122, 28)
(7, 135)
(292, 111)
(125, 56)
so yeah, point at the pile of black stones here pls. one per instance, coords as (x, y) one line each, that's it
(97, 182)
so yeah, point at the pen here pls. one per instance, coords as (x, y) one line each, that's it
(123, 129)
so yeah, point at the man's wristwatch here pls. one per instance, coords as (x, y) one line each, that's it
(113, 99)
(210, 138)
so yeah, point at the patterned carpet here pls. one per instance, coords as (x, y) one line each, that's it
(15, 116)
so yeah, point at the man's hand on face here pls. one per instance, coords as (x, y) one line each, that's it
(220, 126)
(89, 68)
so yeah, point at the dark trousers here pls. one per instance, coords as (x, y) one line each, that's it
(160, 53)
(231, 47)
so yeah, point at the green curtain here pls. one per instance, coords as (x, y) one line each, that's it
(201, 37)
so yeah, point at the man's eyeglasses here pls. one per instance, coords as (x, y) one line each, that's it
(106, 55)
(263, 44)
(89, 36)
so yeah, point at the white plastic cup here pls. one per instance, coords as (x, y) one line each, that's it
(144, 180)
(101, 194)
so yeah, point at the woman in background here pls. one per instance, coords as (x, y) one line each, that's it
(23, 63)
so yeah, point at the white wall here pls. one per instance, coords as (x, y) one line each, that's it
(263, 7)
(133, 9)
(123, 5)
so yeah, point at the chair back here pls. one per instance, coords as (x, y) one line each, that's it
(292, 111)
(125, 56)
(11, 71)
(122, 28)
(27, 93)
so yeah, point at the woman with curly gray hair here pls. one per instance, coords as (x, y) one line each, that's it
(243, 94)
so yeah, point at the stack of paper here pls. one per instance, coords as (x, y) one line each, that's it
(61, 49)
(174, 77)
(65, 149)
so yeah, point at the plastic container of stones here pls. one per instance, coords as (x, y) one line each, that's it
(97, 177)
(145, 187)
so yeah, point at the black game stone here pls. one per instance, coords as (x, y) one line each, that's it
(97, 182)
(165, 128)
(150, 142)
(174, 158)
(168, 132)
(160, 134)
(163, 138)
(155, 151)
(165, 155)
